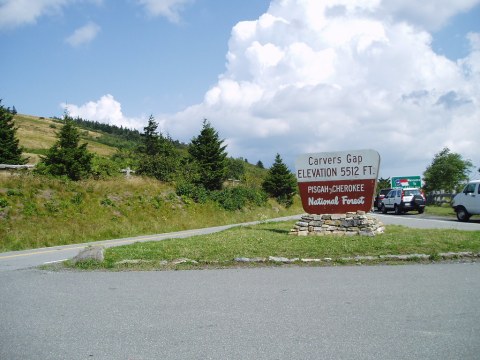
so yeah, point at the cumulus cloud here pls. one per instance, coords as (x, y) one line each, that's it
(431, 14)
(167, 8)
(83, 35)
(106, 110)
(312, 76)
(14, 13)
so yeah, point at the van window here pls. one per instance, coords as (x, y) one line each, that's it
(469, 189)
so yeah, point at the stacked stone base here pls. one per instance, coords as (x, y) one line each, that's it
(349, 224)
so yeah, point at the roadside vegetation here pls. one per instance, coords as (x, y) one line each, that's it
(38, 211)
(79, 193)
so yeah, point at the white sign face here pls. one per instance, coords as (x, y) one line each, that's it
(337, 182)
(343, 165)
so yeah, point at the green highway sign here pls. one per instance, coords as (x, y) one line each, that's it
(407, 181)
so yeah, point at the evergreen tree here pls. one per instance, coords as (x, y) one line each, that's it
(150, 138)
(260, 164)
(67, 157)
(157, 154)
(10, 151)
(280, 183)
(208, 152)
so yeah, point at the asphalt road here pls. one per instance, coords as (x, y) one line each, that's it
(360, 312)
(364, 312)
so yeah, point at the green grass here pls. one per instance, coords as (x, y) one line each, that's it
(444, 210)
(38, 212)
(273, 239)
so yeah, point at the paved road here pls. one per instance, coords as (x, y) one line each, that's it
(368, 312)
(425, 221)
(371, 312)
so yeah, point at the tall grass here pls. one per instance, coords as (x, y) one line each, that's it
(37, 211)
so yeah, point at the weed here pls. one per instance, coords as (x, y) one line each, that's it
(107, 202)
(52, 206)
(30, 209)
(77, 199)
(14, 192)
(3, 202)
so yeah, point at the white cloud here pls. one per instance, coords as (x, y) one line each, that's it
(83, 35)
(106, 110)
(167, 8)
(15, 13)
(431, 14)
(313, 76)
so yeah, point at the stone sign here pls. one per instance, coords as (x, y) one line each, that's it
(337, 182)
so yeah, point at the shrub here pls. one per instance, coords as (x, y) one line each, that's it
(195, 192)
(3, 203)
(14, 192)
(103, 168)
(239, 197)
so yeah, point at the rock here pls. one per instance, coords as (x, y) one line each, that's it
(282, 259)
(90, 253)
(184, 261)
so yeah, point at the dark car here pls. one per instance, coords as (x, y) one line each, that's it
(380, 196)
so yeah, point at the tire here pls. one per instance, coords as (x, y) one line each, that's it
(397, 210)
(421, 210)
(383, 208)
(462, 214)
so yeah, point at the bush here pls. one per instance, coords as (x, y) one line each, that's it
(3, 203)
(197, 193)
(234, 198)
(103, 168)
(239, 197)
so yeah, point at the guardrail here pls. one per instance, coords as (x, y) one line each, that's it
(14, 167)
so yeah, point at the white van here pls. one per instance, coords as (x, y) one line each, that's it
(467, 203)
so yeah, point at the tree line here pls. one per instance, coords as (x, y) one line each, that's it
(199, 170)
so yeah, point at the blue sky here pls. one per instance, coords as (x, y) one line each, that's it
(279, 76)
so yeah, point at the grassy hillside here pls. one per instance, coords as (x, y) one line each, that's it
(37, 134)
(37, 211)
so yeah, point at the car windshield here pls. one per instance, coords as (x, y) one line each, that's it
(412, 192)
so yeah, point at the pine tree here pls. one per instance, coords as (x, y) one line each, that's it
(10, 151)
(157, 154)
(67, 157)
(150, 138)
(208, 152)
(280, 183)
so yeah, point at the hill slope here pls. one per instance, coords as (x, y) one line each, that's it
(37, 134)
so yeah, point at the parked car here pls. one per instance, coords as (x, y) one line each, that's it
(401, 200)
(380, 196)
(467, 203)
